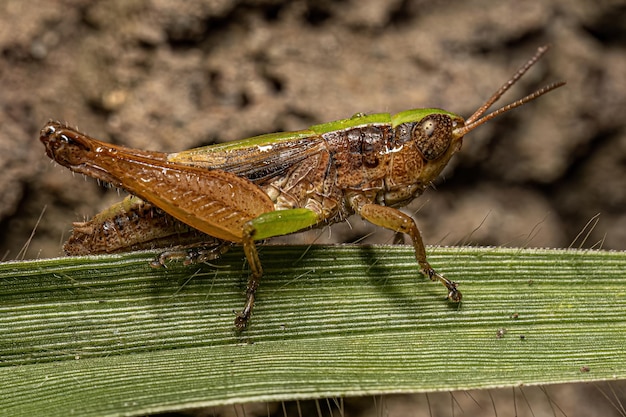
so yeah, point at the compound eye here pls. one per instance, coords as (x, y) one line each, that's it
(433, 135)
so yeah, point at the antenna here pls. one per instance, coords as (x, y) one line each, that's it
(476, 120)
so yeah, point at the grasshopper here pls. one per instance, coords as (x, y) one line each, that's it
(271, 185)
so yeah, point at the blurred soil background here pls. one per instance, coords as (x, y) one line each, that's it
(170, 75)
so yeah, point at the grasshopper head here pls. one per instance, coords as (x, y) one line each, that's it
(424, 142)
(433, 135)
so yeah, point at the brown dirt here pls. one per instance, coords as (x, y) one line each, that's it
(169, 75)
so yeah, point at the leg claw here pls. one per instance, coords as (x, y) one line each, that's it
(453, 293)
(241, 321)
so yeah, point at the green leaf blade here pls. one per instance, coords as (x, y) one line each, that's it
(112, 336)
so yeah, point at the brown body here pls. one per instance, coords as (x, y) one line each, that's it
(334, 173)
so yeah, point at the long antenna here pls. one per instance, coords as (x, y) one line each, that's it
(475, 119)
